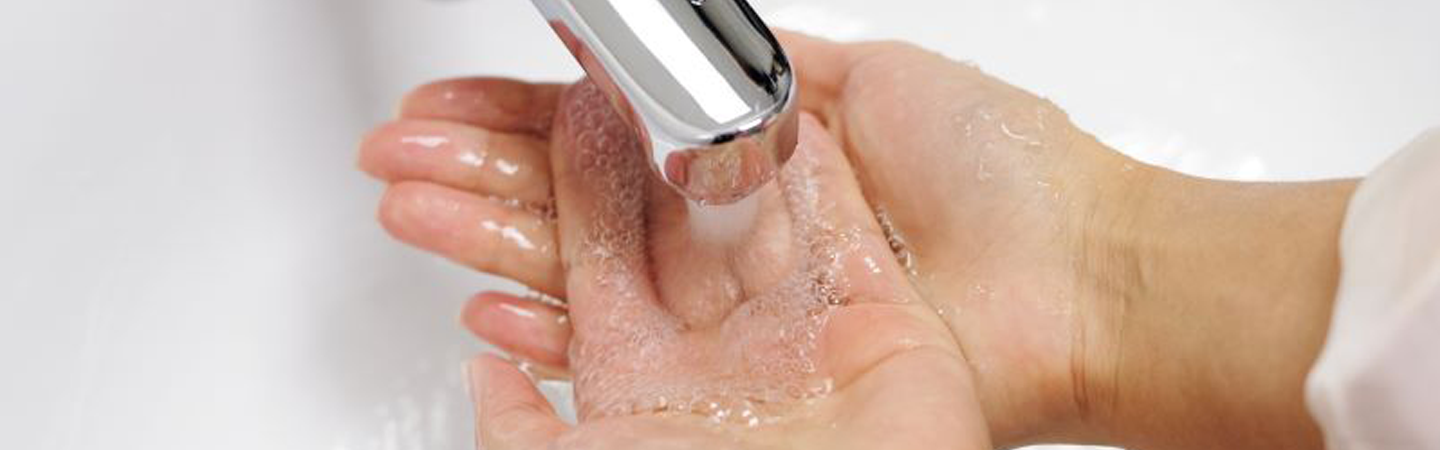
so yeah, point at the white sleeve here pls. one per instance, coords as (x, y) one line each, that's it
(1377, 382)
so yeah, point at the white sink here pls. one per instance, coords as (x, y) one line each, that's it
(190, 260)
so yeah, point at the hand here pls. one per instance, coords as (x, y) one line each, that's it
(1065, 270)
(802, 332)
(1098, 299)
(963, 167)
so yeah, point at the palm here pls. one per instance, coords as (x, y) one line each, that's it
(981, 189)
(753, 330)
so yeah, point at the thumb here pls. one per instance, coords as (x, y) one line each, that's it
(510, 413)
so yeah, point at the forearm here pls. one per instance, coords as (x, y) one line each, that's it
(1228, 304)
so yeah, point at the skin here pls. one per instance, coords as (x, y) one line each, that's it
(662, 309)
(1086, 297)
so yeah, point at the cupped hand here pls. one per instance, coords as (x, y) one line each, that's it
(1037, 248)
(1006, 215)
(1097, 298)
(987, 195)
(796, 328)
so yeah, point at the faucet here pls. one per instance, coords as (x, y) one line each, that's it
(703, 83)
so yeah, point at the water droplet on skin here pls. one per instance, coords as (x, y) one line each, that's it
(981, 292)
(510, 233)
(822, 387)
(430, 142)
(518, 311)
(751, 420)
(1029, 141)
(873, 266)
(545, 299)
(527, 368)
(721, 415)
(506, 167)
(898, 245)
(472, 159)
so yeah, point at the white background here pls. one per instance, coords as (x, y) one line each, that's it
(188, 259)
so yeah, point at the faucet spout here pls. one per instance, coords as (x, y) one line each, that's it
(703, 83)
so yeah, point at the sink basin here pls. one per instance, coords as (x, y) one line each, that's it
(192, 262)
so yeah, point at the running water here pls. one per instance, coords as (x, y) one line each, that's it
(723, 224)
(630, 354)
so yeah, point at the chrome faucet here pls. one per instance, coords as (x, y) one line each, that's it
(703, 83)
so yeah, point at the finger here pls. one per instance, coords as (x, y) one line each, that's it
(510, 413)
(460, 156)
(601, 179)
(524, 328)
(479, 232)
(499, 104)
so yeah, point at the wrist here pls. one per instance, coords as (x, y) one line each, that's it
(1109, 241)
(1221, 300)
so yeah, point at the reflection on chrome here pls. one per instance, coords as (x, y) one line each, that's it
(703, 83)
